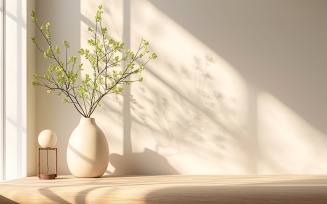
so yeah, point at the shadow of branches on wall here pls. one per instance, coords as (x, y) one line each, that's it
(190, 109)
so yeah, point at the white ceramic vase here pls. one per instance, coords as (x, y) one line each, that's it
(87, 151)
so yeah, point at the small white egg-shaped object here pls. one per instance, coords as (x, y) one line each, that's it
(47, 139)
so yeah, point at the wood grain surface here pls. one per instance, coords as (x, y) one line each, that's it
(287, 189)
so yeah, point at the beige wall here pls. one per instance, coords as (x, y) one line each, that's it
(51, 113)
(238, 87)
(31, 95)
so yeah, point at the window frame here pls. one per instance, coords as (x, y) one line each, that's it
(2, 89)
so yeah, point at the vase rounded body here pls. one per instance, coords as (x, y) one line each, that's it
(87, 151)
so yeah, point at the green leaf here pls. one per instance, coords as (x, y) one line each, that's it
(51, 68)
(100, 80)
(47, 54)
(47, 26)
(98, 17)
(81, 51)
(36, 83)
(146, 43)
(66, 43)
(73, 59)
(47, 35)
(131, 65)
(104, 31)
(91, 42)
(80, 67)
(99, 104)
(34, 19)
(57, 50)
(118, 90)
(131, 55)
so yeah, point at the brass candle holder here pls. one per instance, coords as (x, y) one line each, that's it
(46, 175)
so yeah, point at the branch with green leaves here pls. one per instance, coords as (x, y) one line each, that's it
(105, 58)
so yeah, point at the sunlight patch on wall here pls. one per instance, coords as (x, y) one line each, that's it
(287, 143)
(192, 106)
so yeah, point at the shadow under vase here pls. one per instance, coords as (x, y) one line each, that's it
(144, 163)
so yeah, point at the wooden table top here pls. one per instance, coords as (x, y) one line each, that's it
(168, 189)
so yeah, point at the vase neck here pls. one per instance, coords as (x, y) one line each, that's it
(87, 120)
